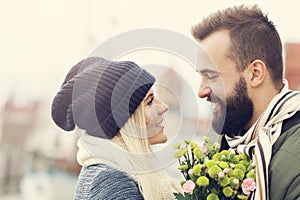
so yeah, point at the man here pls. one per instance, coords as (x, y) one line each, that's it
(254, 111)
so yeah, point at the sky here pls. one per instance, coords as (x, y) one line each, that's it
(41, 40)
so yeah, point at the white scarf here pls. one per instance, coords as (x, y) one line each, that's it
(94, 150)
(264, 133)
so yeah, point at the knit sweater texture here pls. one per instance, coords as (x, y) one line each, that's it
(104, 182)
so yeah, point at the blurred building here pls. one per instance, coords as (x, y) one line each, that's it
(37, 160)
(292, 63)
(17, 124)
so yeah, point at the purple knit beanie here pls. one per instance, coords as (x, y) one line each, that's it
(99, 96)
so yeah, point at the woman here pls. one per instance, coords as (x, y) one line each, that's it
(118, 117)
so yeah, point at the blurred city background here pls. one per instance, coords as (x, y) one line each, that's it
(41, 40)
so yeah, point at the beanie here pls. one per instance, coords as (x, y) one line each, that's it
(99, 96)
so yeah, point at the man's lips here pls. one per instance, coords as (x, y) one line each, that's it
(216, 106)
(215, 101)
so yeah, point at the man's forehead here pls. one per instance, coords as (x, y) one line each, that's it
(213, 49)
(204, 62)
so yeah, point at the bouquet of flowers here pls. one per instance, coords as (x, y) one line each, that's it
(213, 174)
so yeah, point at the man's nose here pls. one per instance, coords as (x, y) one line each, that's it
(204, 90)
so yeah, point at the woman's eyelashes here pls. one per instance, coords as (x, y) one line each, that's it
(150, 101)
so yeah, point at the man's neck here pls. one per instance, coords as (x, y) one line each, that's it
(261, 102)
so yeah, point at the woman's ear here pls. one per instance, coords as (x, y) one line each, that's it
(257, 71)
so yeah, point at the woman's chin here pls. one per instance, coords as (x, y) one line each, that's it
(164, 138)
(159, 138)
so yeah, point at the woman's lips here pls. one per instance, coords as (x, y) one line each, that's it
(160, 124)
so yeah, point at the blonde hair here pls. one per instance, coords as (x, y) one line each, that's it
(133, 138)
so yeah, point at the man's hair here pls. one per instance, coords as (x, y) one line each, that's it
(252, 34)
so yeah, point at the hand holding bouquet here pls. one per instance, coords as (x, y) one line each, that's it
(211, 174)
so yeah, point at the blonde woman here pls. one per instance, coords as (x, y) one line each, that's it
(118, 117)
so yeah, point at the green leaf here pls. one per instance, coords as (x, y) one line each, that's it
(178, 196)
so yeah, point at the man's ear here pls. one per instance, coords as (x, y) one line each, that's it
(257, 71)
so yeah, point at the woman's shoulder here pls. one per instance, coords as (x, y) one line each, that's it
(108, 173)
(110, 183)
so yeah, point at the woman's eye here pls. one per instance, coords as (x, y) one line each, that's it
(150, 101)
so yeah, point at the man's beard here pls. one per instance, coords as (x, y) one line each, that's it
(232, 117)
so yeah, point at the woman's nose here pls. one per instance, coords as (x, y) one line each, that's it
(163, 107)
(204, 90)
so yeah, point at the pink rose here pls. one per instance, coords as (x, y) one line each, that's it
(190, 172)
(221, 174)
(188, 187)
(232, 151)
(236, 181)
(226, 170)
(203, 149)
(248, 185)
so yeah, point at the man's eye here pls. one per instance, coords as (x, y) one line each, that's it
(210, 76)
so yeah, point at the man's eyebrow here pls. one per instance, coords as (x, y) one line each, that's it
(202, 71)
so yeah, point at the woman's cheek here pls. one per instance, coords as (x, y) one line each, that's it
(148, 119)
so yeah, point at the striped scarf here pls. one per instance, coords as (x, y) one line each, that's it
(257, 142)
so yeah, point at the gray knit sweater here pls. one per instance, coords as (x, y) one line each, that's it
(104, 182)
